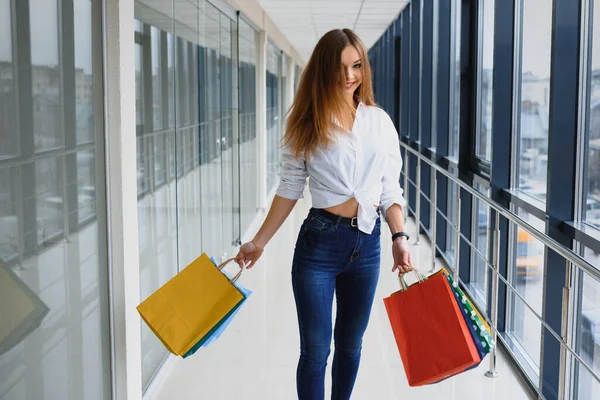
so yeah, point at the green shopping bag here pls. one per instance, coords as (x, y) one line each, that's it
(474, 319)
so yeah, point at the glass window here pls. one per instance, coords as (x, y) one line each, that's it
(212, 172)
(592, 183)
(450, 230)
(534, 96)
(52, 248)
(83, 73)
(455, 80)
(171, 79)
(9, 214)
(157, 95)
(8, 125)
(526, 270)
(284, 83)
(485, 82)
(156, 157)
(587, 336)
(45, 75)
(273, 113)
(297, 76)
(480, 235)
(139, 98)
(248, 45)
(434, 72)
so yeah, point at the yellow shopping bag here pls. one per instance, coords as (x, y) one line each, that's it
(189, 305)
(21, 310)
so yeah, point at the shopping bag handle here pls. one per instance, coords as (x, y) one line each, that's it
(239, 274)
(420, 277)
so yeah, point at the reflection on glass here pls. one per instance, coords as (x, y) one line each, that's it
(453, 193)
(592, 206)
(480, 234)
(227, 149)
(484, 133)
(157, 95)
(534, 95)
(171, 80)
(456, 83)
(247, 123)
(83, 72)
(85, 185)
(526, 271)
(588, 333)
(434, 72)
(297, 76)
(53, 267)
(450, 231)
(273, 113)
(157, 219)
(139, 100)
(9, 209)
(212, 170)
(284, 82)
(8, 134)
(45, 75)
(49, 198)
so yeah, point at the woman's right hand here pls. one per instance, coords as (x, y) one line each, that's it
(249, 254)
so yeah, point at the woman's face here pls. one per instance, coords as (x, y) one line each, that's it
(352, 65)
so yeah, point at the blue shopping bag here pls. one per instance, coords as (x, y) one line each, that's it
(216, 332)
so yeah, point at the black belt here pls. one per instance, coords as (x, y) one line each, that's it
(353, 222)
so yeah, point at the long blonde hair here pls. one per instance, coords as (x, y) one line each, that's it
(319, 99)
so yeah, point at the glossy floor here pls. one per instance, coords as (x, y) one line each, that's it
(256, 357)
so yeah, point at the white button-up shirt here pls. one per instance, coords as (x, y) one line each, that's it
(364, 163)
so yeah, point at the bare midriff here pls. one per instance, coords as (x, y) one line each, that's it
(347, 209)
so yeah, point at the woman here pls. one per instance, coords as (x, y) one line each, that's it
(349, 148)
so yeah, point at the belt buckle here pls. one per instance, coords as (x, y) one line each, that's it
(354, 222)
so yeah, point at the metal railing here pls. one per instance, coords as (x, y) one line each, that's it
(572, 259)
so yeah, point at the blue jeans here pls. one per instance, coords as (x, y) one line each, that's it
(332, 257)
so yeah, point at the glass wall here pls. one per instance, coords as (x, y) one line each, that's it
(297, 76)
(592, 139)
(516, 173)
(156, 74)
(455, 80)
(53, 245)
(248, 50)
(274, 102)
(587, 321)
(434, 73)
(483, 148)
(587, 342)
(195, 144)
(480, 234)
(533, 95)
(526, 271)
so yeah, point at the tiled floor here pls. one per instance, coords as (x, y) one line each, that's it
(256, 357)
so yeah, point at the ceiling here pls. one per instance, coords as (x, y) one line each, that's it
(303, 22)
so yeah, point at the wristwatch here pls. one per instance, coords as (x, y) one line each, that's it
(400, 234)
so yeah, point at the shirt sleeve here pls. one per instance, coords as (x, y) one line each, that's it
(391, 192)
(293, 175)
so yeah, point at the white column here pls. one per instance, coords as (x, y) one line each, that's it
(122, 199)
(261, 119)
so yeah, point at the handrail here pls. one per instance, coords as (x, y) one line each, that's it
(561, 249)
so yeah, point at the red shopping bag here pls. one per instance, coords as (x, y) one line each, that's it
(432, 336)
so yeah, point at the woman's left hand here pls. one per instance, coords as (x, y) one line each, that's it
(402, 257)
